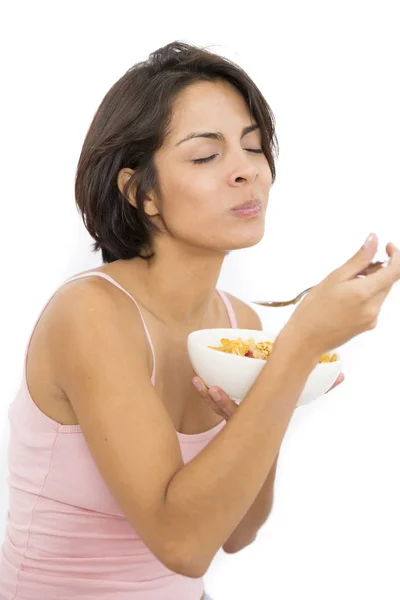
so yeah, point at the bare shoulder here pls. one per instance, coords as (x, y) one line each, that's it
(247, 317)
(91, 308)
(93, 298)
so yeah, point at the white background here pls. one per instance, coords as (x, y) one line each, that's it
(329, 70)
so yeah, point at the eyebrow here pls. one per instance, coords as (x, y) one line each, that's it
(216, 135)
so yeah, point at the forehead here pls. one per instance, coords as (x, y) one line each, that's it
(211, 106)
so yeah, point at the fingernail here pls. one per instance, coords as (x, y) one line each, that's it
(369, 240)
(197, 384)
(215, 395)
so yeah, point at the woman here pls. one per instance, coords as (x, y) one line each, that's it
(123, 482)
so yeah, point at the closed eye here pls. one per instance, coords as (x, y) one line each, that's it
(198, 161)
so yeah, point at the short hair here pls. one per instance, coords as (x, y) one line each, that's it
(130, 125)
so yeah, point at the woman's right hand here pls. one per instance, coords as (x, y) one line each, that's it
(342, 306)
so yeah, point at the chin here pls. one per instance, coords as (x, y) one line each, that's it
(246, 237)
(244, 241)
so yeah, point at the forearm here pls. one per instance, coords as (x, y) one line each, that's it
(210, 495)
(255, 517)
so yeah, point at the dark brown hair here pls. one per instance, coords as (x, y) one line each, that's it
(127, 129)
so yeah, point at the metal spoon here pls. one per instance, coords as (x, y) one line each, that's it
(372, 267)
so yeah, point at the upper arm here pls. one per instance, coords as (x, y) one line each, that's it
(247, 317)
(99, 358)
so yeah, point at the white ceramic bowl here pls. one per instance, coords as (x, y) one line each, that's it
(236, 374)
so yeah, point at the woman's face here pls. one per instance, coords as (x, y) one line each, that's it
(199, 198)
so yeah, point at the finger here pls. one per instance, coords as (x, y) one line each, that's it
(215, 407)
(200, 386)
(226, 403)
(382, 280)
(203, 391)
(357, 263)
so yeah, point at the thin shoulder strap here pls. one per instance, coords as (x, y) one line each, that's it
(111, 280)
(229, 308)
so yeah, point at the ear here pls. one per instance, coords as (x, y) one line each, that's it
(123, 177)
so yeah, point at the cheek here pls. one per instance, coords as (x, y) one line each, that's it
(198, 184)
(193, 194)
(266, 177)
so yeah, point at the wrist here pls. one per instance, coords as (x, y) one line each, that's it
(296, 346)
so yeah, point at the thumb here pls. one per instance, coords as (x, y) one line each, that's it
(360, 261)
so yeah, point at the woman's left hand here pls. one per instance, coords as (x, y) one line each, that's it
(220, 402)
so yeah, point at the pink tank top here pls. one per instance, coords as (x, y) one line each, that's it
(66, 536)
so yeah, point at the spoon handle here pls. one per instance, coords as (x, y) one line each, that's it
(372, 267)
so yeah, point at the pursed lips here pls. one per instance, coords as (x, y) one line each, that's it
(253, 203)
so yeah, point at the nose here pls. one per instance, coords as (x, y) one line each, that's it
(244, 171)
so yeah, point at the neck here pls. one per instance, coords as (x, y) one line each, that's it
(179, 284)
